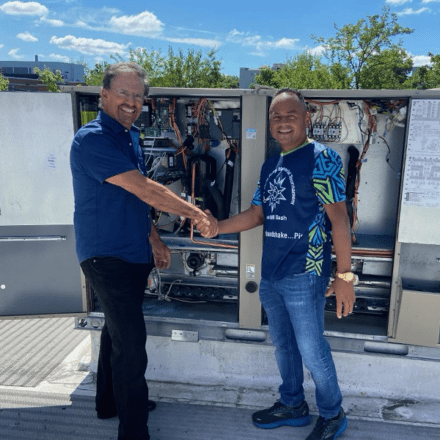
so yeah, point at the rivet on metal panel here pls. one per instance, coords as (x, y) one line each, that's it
(184, 336)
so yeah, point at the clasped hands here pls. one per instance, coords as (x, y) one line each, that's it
(206, 224)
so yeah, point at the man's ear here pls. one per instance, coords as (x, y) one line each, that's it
(104, 94)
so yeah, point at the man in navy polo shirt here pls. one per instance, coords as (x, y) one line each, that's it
(117, 245)
(300, 199)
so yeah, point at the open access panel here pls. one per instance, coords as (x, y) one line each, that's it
(208, 145)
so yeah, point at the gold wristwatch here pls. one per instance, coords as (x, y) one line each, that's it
(347, 276)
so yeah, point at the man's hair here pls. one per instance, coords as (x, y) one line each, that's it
(113, 70)
(292, 92)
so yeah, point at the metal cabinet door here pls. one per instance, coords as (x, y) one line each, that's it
(39, 272)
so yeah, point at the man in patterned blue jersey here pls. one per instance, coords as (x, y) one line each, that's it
(300, 199)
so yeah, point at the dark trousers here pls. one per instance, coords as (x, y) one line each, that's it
(121, 385)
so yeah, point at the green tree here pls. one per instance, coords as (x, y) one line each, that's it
(93, 77)
(49, 78)
(427, 76)
(192, 69)
(229, 82)
(267, 76)
(4, 82)
(388, 69)
(305, 71)
(354, 44)
(189, 70)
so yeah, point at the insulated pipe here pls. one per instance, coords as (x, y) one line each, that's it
(211, 243)
(217, 195)
(229, 180)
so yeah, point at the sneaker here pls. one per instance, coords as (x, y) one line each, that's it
(281, 415)
(329, 429)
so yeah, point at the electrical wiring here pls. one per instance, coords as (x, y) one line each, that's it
(372, 127)
(387, 159)
(220, 125)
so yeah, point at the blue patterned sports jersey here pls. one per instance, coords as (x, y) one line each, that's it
(292, 190)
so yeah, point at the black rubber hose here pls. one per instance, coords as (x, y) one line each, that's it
(229, 180)
(217, 196)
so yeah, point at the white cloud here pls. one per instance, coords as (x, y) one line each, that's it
(398, 2)
(52, 22)
(256, 41)
(143, 24)
(430, 1)
(285, 43)
(61, 58)
(318, 50)
(1, 45)
(411, 11)
(421, 60)
(89, 46)
(82, 24)
(24, 8)
(27, 36)
(14, 54)
(196, 41)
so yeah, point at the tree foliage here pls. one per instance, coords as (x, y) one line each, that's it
(427, 76)
(94, 76)
(49, 78)
(305, 71)
(354, 44)
(192, 69)
(4, 83)
(388, 69)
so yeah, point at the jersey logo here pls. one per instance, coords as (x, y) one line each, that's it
(274, 188)
(276, 192)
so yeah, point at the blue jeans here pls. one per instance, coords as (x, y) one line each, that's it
(295, 310)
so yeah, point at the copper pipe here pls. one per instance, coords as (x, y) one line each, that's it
(193, 179)
(363, 252)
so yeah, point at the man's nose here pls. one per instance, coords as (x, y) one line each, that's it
(131, 98)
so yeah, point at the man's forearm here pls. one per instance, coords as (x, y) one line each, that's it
(244, 221)
(342, 245)
(156, 195)
(160, 197)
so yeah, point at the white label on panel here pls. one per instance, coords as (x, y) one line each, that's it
(250, 271)
(51, 161)
(251, 133)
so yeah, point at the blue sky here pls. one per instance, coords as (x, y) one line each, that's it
(245, 33)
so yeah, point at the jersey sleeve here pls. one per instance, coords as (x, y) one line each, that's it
(328, 177)
(256, 199)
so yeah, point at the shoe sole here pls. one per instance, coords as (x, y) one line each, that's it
(341, 429)
(303, 421)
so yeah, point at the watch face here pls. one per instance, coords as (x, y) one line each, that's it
(349, 276)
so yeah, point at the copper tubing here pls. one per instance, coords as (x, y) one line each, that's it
(363, 252)
(210, 243)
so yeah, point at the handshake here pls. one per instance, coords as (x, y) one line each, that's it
(206, 224)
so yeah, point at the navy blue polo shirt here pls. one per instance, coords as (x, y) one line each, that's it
(108, 220)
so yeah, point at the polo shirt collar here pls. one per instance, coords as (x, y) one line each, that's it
(116, 126)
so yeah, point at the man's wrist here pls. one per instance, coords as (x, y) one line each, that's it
(348, 277)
